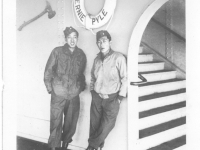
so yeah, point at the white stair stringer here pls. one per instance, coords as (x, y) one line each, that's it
(163, 87)
(161, 118)
(159, 76)
(153, 66)
(145, 58)
(141, 49)
(161, 101)
(159, 138)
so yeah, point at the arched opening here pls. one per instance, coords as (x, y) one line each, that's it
(160, 27)
(133, 51)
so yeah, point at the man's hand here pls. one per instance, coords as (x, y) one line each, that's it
(49, 91)
(119, 101)
(120, 98)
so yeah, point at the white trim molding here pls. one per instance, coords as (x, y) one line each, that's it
(133, 51)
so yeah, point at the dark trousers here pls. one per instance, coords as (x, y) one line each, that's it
(59, 132)
(103, 114)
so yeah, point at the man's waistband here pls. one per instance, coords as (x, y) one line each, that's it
(106, 96)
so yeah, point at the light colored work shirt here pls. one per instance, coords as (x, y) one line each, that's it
(109, 75)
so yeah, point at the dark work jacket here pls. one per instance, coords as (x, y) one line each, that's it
(64, 72)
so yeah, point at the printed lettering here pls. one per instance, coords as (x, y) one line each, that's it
(100, 17)
(93, 20)
(79, 12)
(82, 17)
(77, 7)
(97, 19)
(104, 13)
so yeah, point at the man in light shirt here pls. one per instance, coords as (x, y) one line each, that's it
(108, 87)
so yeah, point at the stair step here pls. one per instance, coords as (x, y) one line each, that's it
(150, 66)
(162, 94)
(159, 75)
(162, 106)
(145, 57)
(161, 127)
(157, 71)
(177, 144)
(162, 109)
(161, 86)
(162, 101)
(161, 118)
(159, 138)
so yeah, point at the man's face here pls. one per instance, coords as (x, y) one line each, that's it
(72, 39)
(104, 44)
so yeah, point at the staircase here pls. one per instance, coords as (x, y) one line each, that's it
(162, 106)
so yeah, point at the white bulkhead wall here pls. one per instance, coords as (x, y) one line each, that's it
(34, 45)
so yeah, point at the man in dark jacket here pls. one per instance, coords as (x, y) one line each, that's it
(64, 79)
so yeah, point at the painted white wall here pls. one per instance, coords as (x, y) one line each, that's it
(34, 44)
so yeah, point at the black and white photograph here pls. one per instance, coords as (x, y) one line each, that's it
(99, 75)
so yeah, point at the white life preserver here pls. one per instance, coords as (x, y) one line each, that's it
(92, 22)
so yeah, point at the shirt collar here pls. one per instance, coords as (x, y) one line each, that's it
(102, 57)
(67, 50)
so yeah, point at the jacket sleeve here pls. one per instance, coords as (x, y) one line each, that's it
(121, 63)
(83, 64)
(93, 79)
(49, 71)
(82, 76)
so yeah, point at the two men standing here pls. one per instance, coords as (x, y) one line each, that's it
(64, 79)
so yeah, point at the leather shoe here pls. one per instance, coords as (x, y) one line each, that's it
(91, 148)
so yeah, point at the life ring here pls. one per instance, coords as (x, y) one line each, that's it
(92, 22)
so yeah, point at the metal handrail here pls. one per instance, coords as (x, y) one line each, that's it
(168, 29)
(144, 80)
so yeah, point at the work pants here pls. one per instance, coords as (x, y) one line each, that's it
(103, 114)
(70, 108)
